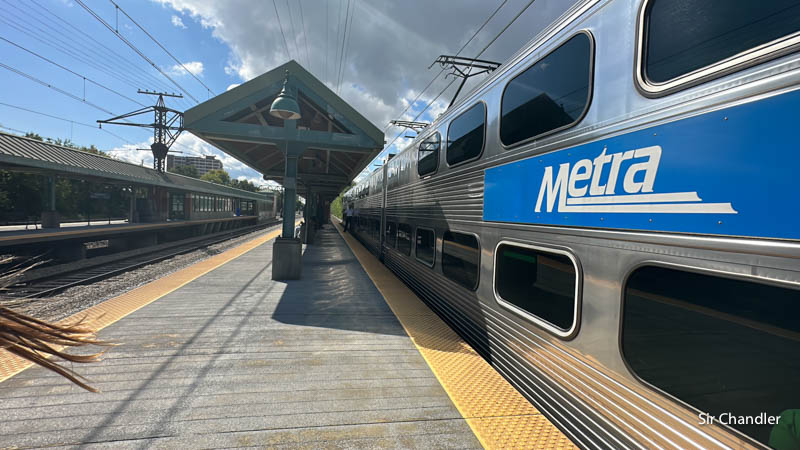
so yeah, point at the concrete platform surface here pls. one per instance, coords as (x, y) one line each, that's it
(234, 359)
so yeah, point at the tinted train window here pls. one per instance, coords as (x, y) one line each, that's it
(426, 245)
(461, 257)
(710, 31)
(549, 95)
(428, 154)
(722, 345)
(375, 231)
(465, 135)
(391, 234)
(404, 238)
(537, 282)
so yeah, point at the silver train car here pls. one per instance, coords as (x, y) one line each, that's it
(610, 219)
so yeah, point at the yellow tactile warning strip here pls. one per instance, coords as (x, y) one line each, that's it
(498, 414)
(105, 313)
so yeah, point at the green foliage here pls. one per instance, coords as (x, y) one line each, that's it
(217, 176)
(336, 207)
(32, 135)
(189, 171)
(244, 185)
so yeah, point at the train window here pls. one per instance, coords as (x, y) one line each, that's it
(722, 345)
(712, 31)
(426, 246)
(391, 234)
(404, 238)
(375, 229)
(461, 258)
(551, 95)
(465, 135)
(428, 154)
(538, 283)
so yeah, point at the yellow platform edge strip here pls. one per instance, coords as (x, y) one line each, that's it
(112, 310)
(499, 416)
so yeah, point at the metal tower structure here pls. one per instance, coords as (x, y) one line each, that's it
(167, 126)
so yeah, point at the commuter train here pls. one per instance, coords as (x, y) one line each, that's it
(611, 220)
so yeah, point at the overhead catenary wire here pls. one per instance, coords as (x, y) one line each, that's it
(458, 53)
(21, 108)
(59, 90)
(305, 33)
(278, 16)
(341, 52)
(162, 47)
(294, 33)
(346, 42)
(73, 53)
(327, 37)
(103, 52)
(336, 46)
(85, 78)
(136, 49)
(485, 22)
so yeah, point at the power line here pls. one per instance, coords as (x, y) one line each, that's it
(453, 80)
(327, 35)
(305, 33)
(494, 13)
(346, 44)
(288, 55)
(162, 47)
(66, 120)
(85, 78)
(336, 45)
(477, 56)
(52, 42)
(106, 54)
(341, 53)
(294, 33)
(59, 90)
(134, 48)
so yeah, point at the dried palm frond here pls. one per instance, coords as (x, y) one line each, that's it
(34, 339)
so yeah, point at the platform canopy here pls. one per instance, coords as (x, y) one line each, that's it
(331, 140)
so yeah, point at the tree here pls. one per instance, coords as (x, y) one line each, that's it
(244, 185)
(32, 135)
(189, 171)
(218, 176)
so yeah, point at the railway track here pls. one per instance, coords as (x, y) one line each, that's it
(52, 285)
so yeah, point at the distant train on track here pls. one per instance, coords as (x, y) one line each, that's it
(612, 220)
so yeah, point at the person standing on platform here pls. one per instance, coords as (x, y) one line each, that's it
(348, 217)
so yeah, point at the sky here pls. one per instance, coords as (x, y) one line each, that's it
(62, 69)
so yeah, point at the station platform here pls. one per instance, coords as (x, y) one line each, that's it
(219, 355)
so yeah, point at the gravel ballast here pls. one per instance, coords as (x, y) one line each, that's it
(79, 298)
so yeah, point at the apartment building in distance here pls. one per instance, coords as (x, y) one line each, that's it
(202, 165)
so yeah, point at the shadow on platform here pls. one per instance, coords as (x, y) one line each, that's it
(335, 292)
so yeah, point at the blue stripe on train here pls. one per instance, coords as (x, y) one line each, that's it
(729, 172)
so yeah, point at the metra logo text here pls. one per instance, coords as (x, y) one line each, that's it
(571, 186)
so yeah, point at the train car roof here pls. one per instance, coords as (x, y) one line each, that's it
(37, 156)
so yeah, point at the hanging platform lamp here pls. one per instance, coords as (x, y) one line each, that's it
(285, 105)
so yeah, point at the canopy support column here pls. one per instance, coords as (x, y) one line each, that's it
(287, 250)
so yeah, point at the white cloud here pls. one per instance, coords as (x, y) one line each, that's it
(195, 67)
(178, 22)
(232, 86)
(189, 145)
(382, 73)
(130, 153)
